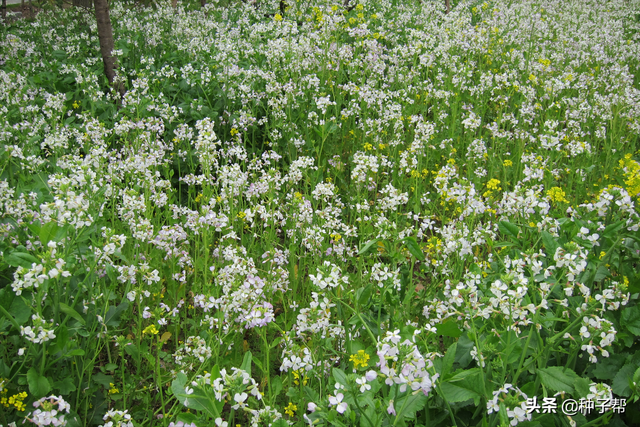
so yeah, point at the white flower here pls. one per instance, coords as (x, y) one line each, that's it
(338, 403)
(363, 384)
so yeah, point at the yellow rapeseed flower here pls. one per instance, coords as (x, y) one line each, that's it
(361, 358)
(291, 409)
(556, 194)
(151, 330)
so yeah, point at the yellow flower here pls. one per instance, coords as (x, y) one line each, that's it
(113, 389)
(75, 104)
(291, 409)
(493, 184)
(151, 329)
(278, 17)
(234, 131)
(361, 358)
(631, 170)
(507, 163)
(556, 194)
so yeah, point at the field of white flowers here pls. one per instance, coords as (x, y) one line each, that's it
(377, 214)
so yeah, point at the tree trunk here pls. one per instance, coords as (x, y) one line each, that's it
(203, 3)
(4, 10)
(447, 3)
(105, 35)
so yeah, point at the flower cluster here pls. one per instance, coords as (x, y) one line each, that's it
(50, 411)
(409, 367)
(515, 402)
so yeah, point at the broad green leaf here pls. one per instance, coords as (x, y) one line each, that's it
(550, 243)
(602, 273)
(38, 385)
(413, 247)
(102, 379)
(454, 393)
(449, 328)
(177, 387)
(112, 318)
(340, 376)
(187, 418)
(462, 375)
(246, 362)
(65, 386)
(48, 232)
(20, 311)
(630, 318)
(363, 295)
(509, 229)
(311, 394)
(449, 357)
(20, 259)
(612, 230)
(408, 406)
(620, 385)
(276, 386)
(582, 387)
(558, 378)
(71, 312)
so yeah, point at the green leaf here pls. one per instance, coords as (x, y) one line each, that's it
(509, 229)
(103, 380)
(550, 243)
(620, 385)
(177, 387)
(276, 386)
(112, 318)
(20, 259)
(246, 362)
(71, 312)
(408, 406)
(133, 351)
(20, 311)
(602, 273)
(48, 232)
(275, 342)
(449, 357)
(38, 385)
(449, 328)
(630, 318)
(612, 230)
(340, 376)
(413, 247)
(187, 418)
(454, 393)
(368, 246)
(363, 295)
(65, 386)
(558, 379)
(582, 387)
